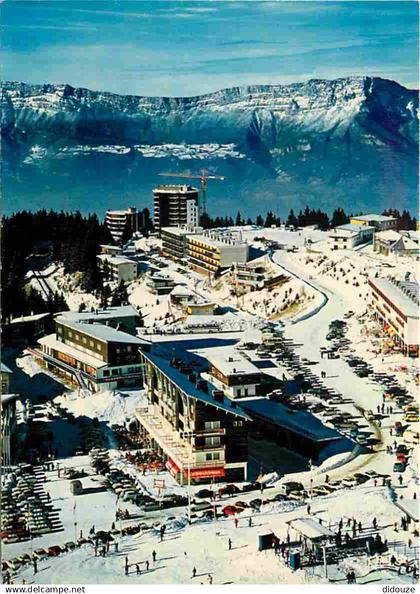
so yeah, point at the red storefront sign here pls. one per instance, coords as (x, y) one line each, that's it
(209, 472)
(172, 467)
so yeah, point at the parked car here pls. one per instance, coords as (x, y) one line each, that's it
(204, 494)
(255, 503)
(399, 466)
(231, 510)
(40, 553)
(288, 487)
(54, 551)
(251, 487)
(13, 564)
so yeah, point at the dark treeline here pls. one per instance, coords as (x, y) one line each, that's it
(69, 238)
(404, 220)
(301, 219)
(308, 216)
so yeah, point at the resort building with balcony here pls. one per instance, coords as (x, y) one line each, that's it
(192, 424)
(175, 241)
(91, 353)
(212, 251)
(396, 307)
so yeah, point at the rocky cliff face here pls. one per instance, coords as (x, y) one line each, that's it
(351, 141)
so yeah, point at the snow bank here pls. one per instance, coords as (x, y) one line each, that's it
(113, 407)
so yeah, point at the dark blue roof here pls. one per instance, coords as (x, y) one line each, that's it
(189, 388)
(302, 423)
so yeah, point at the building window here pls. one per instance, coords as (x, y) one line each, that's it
(215, 441)
(238, 393)
(238, 423)
(106, 373)
(212, 425)
(84, 339)
(91, 343)
(212, 456)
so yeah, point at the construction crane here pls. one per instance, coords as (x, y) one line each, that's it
(203, 177)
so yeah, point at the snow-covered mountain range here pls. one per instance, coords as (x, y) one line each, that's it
(351, 142)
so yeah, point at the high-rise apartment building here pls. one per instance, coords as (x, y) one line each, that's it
(118, 220)
(175, 205)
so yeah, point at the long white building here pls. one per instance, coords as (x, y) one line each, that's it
(396, 306)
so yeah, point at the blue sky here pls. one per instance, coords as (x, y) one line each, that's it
(186, 48)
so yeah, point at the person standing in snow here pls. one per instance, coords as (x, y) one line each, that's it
(194, 572)
(308, 509)
(236, 522)
(230, 544)
(250, 522)
(147, 565)
(154, 556)
(374, 523)
(138, 572)
(400, 480)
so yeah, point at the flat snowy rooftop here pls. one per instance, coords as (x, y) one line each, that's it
(122, 311)
(311, 528)
(405, 302)
(299, 422)
(230, 362)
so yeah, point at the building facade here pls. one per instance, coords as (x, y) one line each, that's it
(212, 251)
(346, 237)
(248, 275)
(159, 284)
(118, 221)
(394, 243)
(196, 429)
(379, 222)
(175, 205)
(119, 267)
(232, 373)
(175, 241)
(6, 374)
(93, 354)
(396, 307)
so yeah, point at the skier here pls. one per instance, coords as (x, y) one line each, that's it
(194, 572)
(138, 572)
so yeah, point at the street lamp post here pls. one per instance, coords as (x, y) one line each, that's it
(190, 435)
